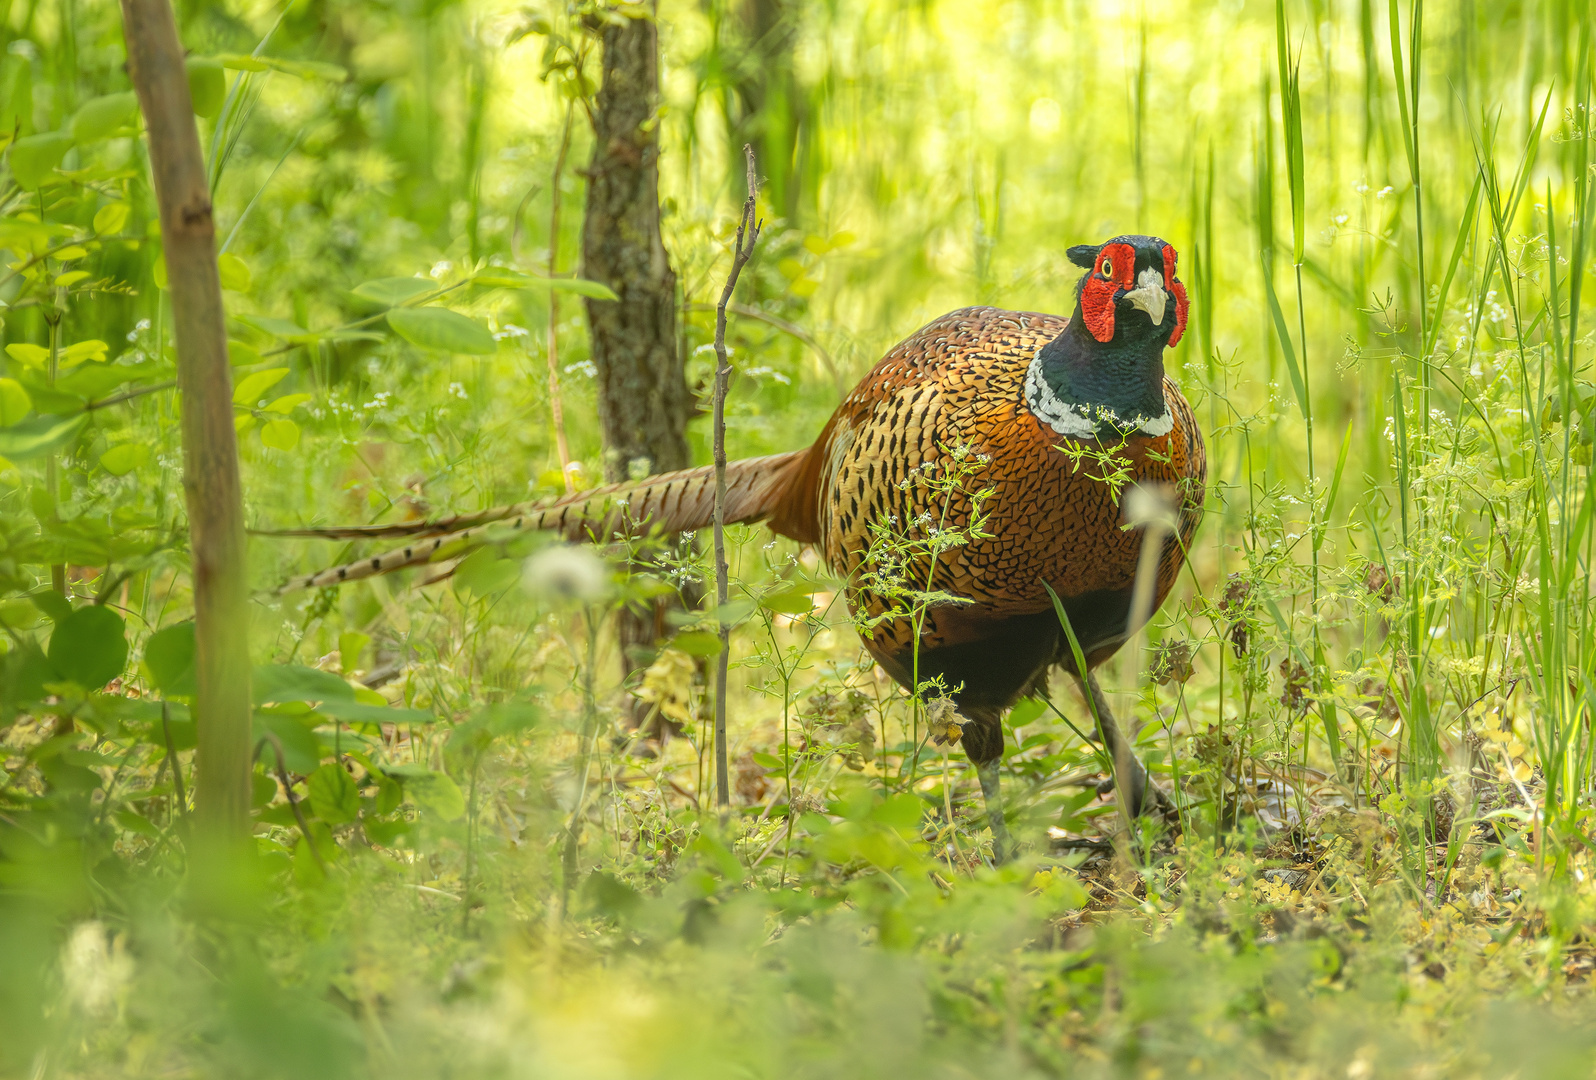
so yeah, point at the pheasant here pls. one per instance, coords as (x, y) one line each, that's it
(1045, 419)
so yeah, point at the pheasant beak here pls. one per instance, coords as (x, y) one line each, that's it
(1149, 295)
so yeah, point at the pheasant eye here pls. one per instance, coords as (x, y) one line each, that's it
(1108, 268)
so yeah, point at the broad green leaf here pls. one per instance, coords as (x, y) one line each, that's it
(207, 85)
(351, 643)
(83, 351)
(281, 328)
(485, 572)
(360, 712)
(16, 91)
(1026, 710)
(502, 277)
(14, 402)
(169, 659)
(32, 355)
(697, 643)
(287, 403)
(234, 272)
(437, 794)
(393, 291)
(293, 682)
(158, 272)
(251, 388)
(69, 279)
(89, 647)
(301, 752)
(110, 218)
(440, 328)
(123, 459)
(241, 353)
(76, 251)
(39, 435)
(101, 117)
(333, 794)
(34, 157)
(96, 380)
(788, 602)
(55, 606)
(280, 434)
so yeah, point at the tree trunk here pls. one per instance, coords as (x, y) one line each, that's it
(643, 399)
(210, 448)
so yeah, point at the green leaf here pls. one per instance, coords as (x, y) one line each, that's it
(333, 794)
(485, 572)
(39, 435)
(280, 328)
(440, 328)
(301, 752)
(207, 85)
(234, 272)
(123, 459)
(502, 277)
(280, 434)
(101, 117)
(393, 291)
(697, 643)
(14, 402)
(82, 352)
(89, 647)
(287, 403)
(1026, 710)
(110, 218)
(304, 69)
(34, 157)
(359, 712)
(169, 659)
(437, 794)
(16, 90)
(251, 388)
(34, 356)
(293, 682)
(55, 606)
(788, 602)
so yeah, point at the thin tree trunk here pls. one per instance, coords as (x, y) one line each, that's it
(643, 400)
(210, 449)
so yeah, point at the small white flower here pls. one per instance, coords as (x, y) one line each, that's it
(94, 969)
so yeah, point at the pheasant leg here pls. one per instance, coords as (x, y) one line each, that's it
(991, 791)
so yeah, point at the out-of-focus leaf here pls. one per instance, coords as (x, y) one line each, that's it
(333, 794)
(251, 388)
(110, 218)
(101, 117)
(293, 682)
(436, 793)
(440, 328)
(234, 272)
(281, 328)
(502, 277)
(287, 403)
(485, 572)
(697, 643)
(34, 157)
(241, 353)
(280, 434)
(169, 659)
(207, 85)
(301, 752)
(39, 435)
(393, 291)
(123, 459)
(14, 402)
(35, 356)
(82, 352)
(89, 646)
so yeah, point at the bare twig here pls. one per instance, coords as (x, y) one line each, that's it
(791, 329)
(210, 445)
(742, 250)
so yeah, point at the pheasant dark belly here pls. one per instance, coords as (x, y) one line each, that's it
(939, 436)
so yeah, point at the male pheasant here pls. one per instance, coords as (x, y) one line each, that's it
(1050, 418)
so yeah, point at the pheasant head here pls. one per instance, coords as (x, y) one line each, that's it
(1103, 375)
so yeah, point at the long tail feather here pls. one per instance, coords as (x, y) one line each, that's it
(670, 502)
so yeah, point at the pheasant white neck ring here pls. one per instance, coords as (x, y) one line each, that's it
(1085, 420)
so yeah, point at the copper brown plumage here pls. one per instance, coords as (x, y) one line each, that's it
(1042, 421)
